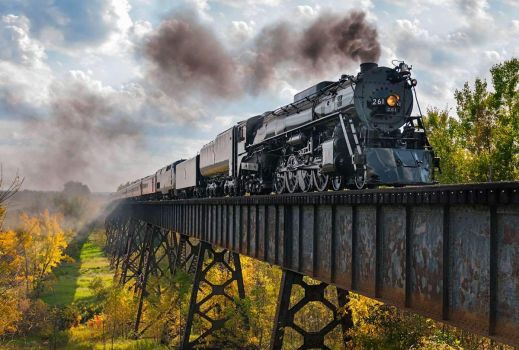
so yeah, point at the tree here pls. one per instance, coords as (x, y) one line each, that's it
(10, 271)
(482, 144)
(443, 131)
(10, 265)
(42, 244)
(505, 101)
(7, 193)
(75, 189)
(118, 312)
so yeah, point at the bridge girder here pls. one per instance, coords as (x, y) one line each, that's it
(446, 252)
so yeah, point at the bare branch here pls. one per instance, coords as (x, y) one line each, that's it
(12, 188)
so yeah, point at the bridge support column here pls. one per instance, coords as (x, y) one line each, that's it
(116, 238)
(206, 307)
(285, 313)
(131, 250)
(186, 255)
(149, 264)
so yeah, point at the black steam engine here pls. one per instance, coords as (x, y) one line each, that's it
(356, 132)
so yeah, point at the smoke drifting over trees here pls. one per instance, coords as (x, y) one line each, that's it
(185, 55)
(87, 123)
(87, 129)
(74, 189)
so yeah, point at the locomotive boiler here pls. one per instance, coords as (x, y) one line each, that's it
(356, 132)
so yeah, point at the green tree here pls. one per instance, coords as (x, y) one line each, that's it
(443, 133)
(482, 144)
(505, 102)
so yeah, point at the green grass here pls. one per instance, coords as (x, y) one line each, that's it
(73, 278)
(23, 343)
(71, 286)
(119, 344)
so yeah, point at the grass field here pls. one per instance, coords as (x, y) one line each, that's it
(36, 344)
(71, 286)
(73, 278)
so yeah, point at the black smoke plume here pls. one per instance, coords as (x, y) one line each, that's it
(331, 42)
(186, 56)
(340, 40)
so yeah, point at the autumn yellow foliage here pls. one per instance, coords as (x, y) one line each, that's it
(27, 256)
(42, 242)
(118, 313)
(2, 216)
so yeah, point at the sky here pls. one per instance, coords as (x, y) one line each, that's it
(106, 91)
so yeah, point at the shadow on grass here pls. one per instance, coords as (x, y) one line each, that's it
(63, 290)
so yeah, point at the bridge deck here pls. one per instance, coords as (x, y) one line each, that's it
(447, 252)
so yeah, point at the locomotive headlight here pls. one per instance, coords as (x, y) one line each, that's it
(392, 100)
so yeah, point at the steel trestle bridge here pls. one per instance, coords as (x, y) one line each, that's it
(449, 252)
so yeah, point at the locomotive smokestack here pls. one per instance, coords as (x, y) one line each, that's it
(367, 66)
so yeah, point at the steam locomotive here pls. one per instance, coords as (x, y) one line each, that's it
(356, 132)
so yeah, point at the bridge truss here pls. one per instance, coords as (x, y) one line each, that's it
(450, 253)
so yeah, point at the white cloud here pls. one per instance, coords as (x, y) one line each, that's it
(512, 3)
(493, 56)
(474, 9)
(478, 25)
(201, 5)
(140, 29)
(244, 3)
(16, 44)
(308, 11)
(412, 42)
(286, 90)
(24, 75)
(412, 27)
(241, 31)
(433, 57)
(117, 16)
(449, 50)
(219, 123)
(51, 36)
(366, 4)
(23, 88)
